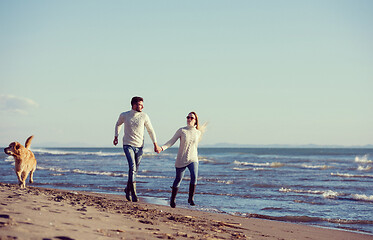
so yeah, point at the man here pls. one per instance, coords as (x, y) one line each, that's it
(135, 121)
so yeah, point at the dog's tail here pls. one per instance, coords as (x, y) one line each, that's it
(28, 142)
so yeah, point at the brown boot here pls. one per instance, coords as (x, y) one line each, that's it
(173, 197)
(127, 190)
(192, 189)
(133, 192)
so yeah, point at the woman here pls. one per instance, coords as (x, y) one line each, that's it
(187, 156)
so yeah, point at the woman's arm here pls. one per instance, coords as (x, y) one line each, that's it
(172, 140)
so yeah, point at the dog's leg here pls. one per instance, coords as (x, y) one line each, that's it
(32, 176)
(23, 179)
(19, 177)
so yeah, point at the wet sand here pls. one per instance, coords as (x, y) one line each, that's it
(40, 213)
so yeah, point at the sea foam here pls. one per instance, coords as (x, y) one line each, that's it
(363, 159)
(267, 164)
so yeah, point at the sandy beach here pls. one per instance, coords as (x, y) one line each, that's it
(40, 213)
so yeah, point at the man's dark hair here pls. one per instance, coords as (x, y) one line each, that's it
(135, 100)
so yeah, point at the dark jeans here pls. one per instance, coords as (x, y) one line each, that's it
(134, 155)
(193, 169)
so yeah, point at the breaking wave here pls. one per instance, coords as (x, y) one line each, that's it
(305, 219)
(363, 159)
(98, 173)
(348, 175)
(9, 159)
(321, 167)
(82, 153)
(364, 168)
(267, 164)
(329, 194)
(250, 169)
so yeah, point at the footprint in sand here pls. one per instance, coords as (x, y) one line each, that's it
(64, 238)
(4, 216)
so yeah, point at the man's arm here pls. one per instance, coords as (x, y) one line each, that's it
(118, 126)
(151, 133)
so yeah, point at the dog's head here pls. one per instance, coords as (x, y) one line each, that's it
(14, 149)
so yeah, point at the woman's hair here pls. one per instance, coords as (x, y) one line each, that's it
(135, 100)
(196, 124)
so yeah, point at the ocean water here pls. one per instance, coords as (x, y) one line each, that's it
(322, 187)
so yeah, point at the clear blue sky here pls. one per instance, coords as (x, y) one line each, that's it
(260, 72)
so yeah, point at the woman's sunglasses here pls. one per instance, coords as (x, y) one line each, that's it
(191, 118)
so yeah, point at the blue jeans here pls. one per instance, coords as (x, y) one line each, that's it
(134, 155)
(193, 169)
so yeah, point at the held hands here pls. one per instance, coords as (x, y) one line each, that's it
(157, 148)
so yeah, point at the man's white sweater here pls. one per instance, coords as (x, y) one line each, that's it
(134, 126)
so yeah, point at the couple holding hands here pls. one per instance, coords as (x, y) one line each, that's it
(135, 121)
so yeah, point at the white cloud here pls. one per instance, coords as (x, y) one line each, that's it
(14, 104)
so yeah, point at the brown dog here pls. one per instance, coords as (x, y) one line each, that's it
(25, 161)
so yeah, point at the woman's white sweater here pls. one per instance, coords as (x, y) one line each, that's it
(189, 137)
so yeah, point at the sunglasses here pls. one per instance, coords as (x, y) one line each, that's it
(191, 118)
